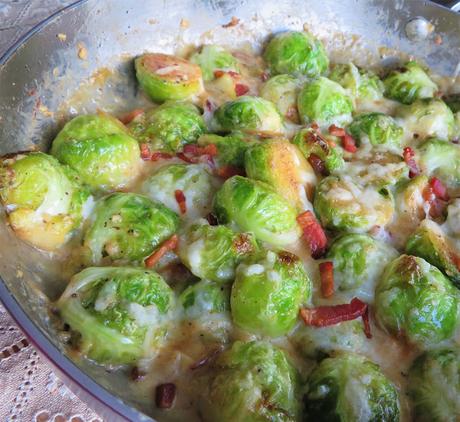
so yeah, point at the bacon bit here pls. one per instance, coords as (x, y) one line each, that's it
(197, 151)
(326, 271)
(435, 194)
(226, 172)
(156, 156)
(129, 117)
(337, 131)
(313, 233)
(167, 245)
(145, 152)
(212, 219)
(233, 22)
(318, 165)
(367, 324)
(348, 142)
(241, 89)
(408, 155)
(181, 201)
(220, 73)
(165, 395)
(206, 359)
(438, 189)
(190, 160)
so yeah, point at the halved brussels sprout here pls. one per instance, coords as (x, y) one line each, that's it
(377, 129)
(255, 207)
(441, 159)
(434, 385)
(316, 342)
(127, 227)
(164, 77)
(296, 53)
(428, 118)
(213, 252)
(251, 382)
(213, 57)
(431, 243)
(268, 292)
(169, 127)
(359, 260)
(309, 142)
(324, 102)
(350, 388)
(193, 180)
(343, 204)
(362, 84)
(118, 315)
(43, 199)
(415, 300)
(100, 149)
(281, 165)
(248, 114)
(409, 83)
(282, 91)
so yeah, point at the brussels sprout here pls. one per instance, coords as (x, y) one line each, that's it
(409, 83)
(453, 102)
(359, 260)
(414, 299)
(196, 183)
(431, 243)
(324, 102)
(377, 129)
(310, 142)
(213, 252)
(360, 83)
(248, 114)
(441, 159)
(268, 292)
(428, 118)
(282, 91)
(434, 386)
(251, 382)
(169, 127)
(100, 149)
(164, 77)
(212, 58)
(350, 388)
(256, 208)
(127, 227)
(296, 53)
(316, 342)
(344, 205)
(280, 164)
(118, 313)
(43, 199)
(204, 298)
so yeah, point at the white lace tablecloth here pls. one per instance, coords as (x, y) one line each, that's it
(29, 389)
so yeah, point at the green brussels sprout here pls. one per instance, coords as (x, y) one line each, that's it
(256, 208)
(431, 243)
(164, 77)
(359, 260)
(280, 164)
(213, 57)
(317, 342)
(310, 142)
(324, 102)
(127, 227)
(213, 252)
(377, 129)
(169, 127)
(119, 314)
(343, 204)
(296, 53)
(100, 149)
(441, 159)
(409, 83)
(282, 91)
(248, 114)
(268, 292)
(360, 83)
(204, 298)
(415, 300)
(192, 179)
(251, 382)
(350, 388)
(453, 102)
(434, 386)
(428, 118)
(43, 199)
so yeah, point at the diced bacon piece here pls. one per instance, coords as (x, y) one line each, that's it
(166, 246)
(408, 155)
(181, 201)
(326, 272)
(313, 233)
